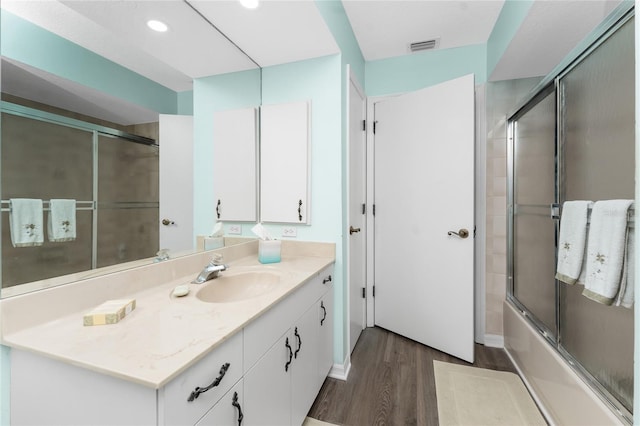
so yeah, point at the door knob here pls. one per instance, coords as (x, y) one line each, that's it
(353, 230)
(167, 222)
(462, 233)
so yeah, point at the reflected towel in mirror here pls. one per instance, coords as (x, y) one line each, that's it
(25, 222)
(61, 223)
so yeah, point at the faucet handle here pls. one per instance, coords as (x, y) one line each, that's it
(216, 258)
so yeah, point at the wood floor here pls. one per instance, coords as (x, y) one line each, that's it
(391, 382)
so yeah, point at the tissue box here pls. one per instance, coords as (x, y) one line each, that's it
(211, 243)
(110, 312)
(269, 251)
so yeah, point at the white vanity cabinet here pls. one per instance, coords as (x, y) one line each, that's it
(284, 163)
(234, 165)
(270, 371)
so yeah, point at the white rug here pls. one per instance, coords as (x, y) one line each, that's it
(473, 396)
(313, 422)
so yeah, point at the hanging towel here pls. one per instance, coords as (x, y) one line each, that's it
(572, 241)
(25, 222)
(61, 225)
(626, 294)
(606, 250)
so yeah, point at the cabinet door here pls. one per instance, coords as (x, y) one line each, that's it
(267, 386)
(234, 164)
(325, 350)
(304, 374)
(229, 411)
(284, 163)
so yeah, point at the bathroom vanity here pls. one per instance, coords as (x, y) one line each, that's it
(257, 355)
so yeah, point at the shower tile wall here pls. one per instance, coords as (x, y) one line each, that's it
(502, 98)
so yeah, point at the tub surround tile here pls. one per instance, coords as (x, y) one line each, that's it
(164, 335)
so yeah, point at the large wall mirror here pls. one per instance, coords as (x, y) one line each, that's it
(77, 125)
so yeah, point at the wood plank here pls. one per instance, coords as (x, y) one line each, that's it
(392, 382)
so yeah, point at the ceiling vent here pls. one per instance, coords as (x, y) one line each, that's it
(424, 45)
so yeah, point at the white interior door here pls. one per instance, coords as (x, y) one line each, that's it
(357, 217)
(424, 188)
(176, 182)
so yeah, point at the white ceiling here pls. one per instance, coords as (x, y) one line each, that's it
(282, 31)
(385, 29)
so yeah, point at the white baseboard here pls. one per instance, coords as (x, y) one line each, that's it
(494, 340)
(341, 371)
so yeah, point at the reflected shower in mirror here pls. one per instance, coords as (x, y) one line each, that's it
(81, 100)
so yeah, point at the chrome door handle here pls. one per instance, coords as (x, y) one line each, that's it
(167, 222)
(353, 230)
(462, 233)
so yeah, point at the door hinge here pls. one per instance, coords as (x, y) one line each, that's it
(374, 127)
(374, 291)
(364, 293)
(364, 125)
(364, 208)
(374, 210)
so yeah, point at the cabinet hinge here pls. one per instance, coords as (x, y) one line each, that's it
(364, 208)
(364, 293)
(364, 125)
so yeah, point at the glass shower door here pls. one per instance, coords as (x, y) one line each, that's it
(533, 229)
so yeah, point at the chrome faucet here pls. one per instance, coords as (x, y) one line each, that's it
(210, 271)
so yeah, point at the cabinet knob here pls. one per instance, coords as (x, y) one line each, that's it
(288, 346)
(295, 355)
(324, 317)
(236, 404)
(218, 208)
(326, 280)
(198, 390)
(300, 210)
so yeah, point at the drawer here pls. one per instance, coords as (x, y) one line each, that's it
(174, 397)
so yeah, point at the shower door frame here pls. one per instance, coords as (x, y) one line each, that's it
(553, 83)
(96, 131)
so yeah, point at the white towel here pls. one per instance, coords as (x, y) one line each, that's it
(606, 250)
(61, 225)
(25, 222)
(626, 294)
(572, 241)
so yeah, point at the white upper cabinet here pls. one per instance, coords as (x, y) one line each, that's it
(284, 163)
(235, 164)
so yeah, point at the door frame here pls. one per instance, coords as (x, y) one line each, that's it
(480, 191)
(351, 78)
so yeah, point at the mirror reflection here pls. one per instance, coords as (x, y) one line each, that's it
(93, 139)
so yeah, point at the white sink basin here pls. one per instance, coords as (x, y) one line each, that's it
(238, 287)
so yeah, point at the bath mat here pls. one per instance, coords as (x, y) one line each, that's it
(476, 396)
(313, 422)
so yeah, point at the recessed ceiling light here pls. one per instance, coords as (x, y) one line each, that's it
(158, 26)
(250, 4)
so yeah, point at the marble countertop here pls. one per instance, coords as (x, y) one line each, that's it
(164, 335)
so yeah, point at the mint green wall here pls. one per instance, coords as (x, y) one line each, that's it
(511, 16)
(318, 81)
(185, 103)
(32, 45)
(336, 19)
(420, 70)
(216, 93)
